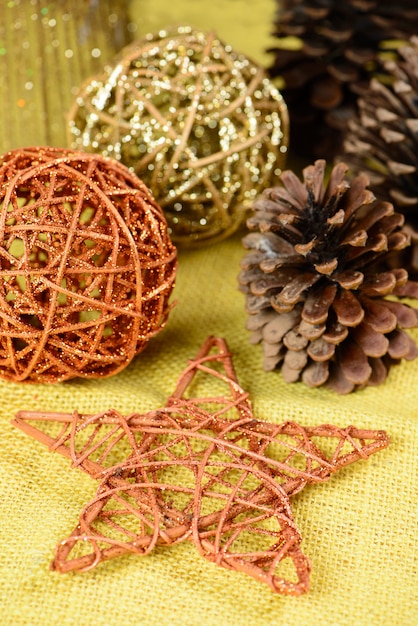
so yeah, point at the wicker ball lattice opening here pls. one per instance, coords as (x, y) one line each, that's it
(201, 125)
(86, 265)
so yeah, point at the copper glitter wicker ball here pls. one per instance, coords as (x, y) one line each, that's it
(200, 123)
(86, 265)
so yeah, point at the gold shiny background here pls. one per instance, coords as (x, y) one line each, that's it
(47, 49)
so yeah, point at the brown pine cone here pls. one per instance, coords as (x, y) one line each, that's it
(338, 45)
(383, 140)
(313, 296)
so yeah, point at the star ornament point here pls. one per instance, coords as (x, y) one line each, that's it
(200, 469)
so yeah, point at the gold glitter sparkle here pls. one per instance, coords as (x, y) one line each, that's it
(200, 123)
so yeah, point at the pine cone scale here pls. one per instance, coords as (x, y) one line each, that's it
(379, 372)
(401, 346)
(274, 331)
(348, 309)
(319, 302)
(297, 193)
(292, 340)
(354, 364)
(340, 46)
(291, 293)
(383, 140)
(320, 350)
(349, 280)
(380, 285)
(379, 316)
(406, 316)
(311, 331)
(335, 333)
(372, 343)
(316, 374)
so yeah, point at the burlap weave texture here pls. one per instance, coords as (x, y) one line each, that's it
(359, 529)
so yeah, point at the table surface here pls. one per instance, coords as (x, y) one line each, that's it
(359, 529)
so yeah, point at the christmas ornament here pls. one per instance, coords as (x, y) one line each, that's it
(337, 45)
(86, 269)
(200, 123)
(196, 475)
(314, 296)
(383, 140)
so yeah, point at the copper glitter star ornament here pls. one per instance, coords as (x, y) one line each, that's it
(200, 469)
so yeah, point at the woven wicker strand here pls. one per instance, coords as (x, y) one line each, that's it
(87, 265)
(200, 123)
(189, 472)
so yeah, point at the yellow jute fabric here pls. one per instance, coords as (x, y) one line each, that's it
(359, 529)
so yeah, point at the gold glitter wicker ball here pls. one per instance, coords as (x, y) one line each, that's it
(86, 265)
(200, 123)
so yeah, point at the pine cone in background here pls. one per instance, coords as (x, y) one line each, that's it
(383, 141)
(339, 43)
(313, 296)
